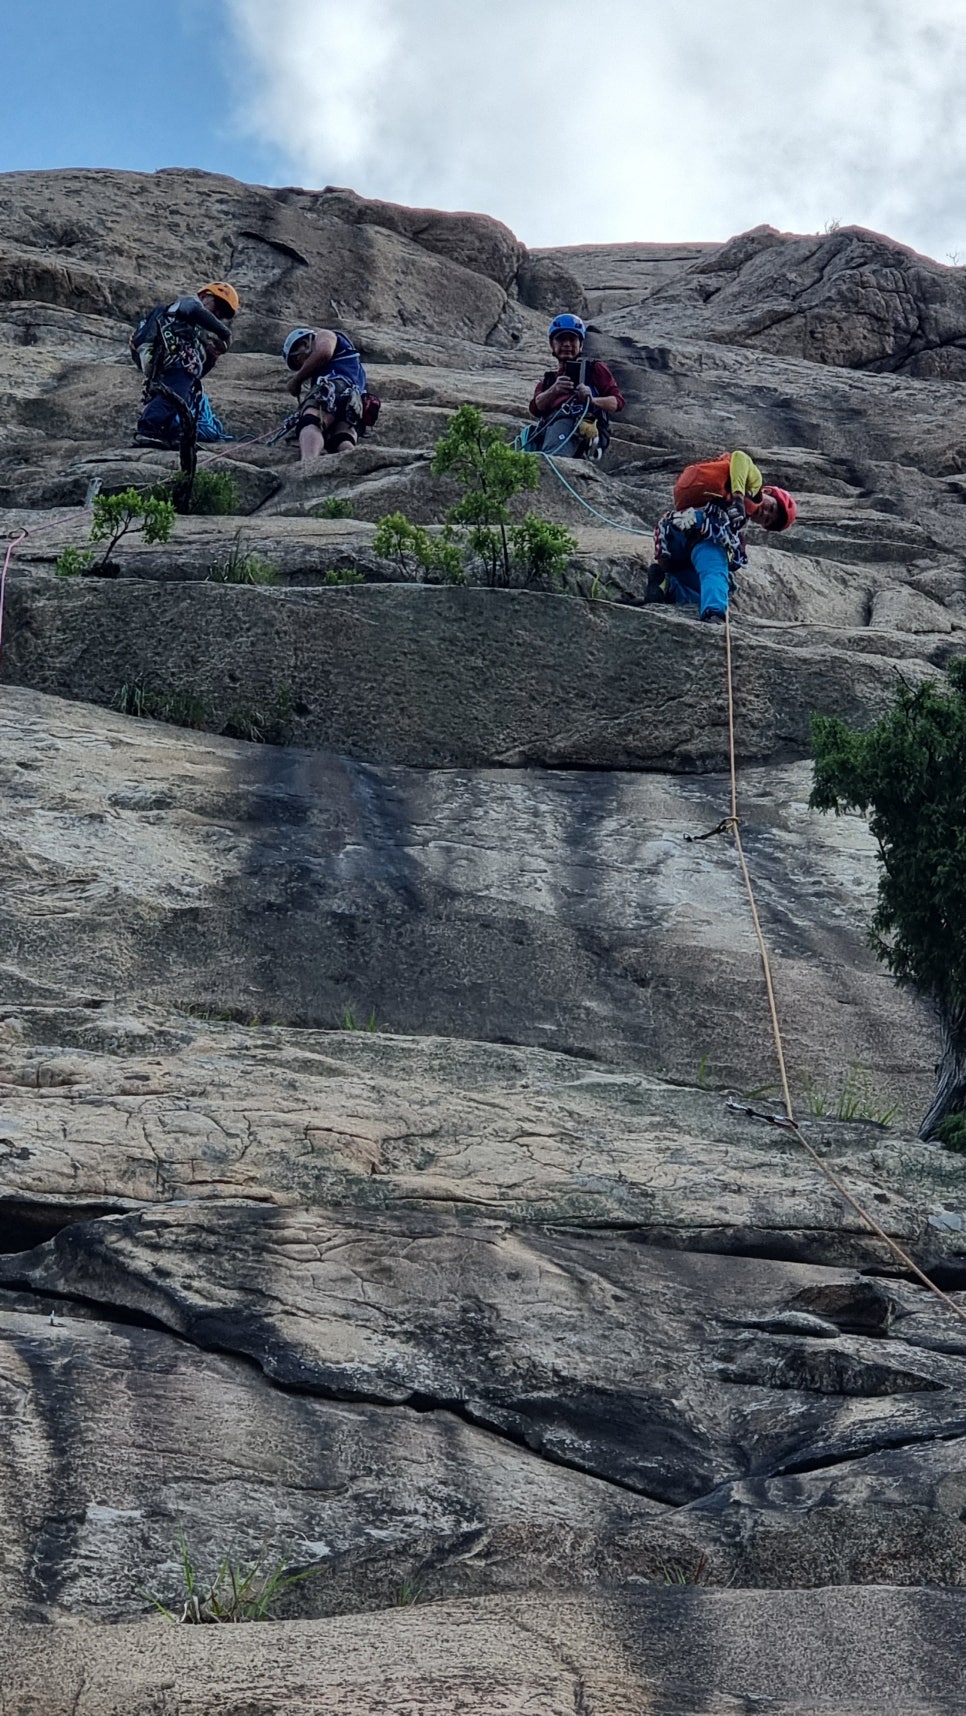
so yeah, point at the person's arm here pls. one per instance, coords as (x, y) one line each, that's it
(548, 398)
(608, 396)
(189, 309)
(324, 348)
(744, 477)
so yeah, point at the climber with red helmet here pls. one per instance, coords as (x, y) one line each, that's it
(581, 394)
(700, 543)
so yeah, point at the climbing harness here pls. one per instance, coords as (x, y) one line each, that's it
(732, 824)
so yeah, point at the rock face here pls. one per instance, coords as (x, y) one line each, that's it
(390, 1186)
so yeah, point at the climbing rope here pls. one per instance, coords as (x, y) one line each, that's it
(731, 824)
(631, 530)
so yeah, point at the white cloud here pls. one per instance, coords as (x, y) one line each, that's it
(628, 119)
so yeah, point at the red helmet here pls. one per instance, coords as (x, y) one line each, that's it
(786, 506)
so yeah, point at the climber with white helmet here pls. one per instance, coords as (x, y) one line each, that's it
(576, 399)
(336, 408)
(700, 543)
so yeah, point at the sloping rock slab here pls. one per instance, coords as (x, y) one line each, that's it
(173, 1109)
(113, 1438)
(567, 911)
(666, 1373)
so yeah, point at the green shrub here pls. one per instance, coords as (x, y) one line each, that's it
(117, 516)
(332, 507)
(343, 575)
(543, 549)
(909, 772)
(73, 561)
(210, 494)
(417, 554)
(951, 1132)
(491, 472)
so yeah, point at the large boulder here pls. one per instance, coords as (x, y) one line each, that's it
(849, 297)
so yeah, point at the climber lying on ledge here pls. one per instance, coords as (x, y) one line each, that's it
(337, 408)
(700, 543)
(574, 402)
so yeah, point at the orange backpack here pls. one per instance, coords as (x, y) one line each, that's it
(710, 480)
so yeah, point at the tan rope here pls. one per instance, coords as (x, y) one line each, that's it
(790, 1124)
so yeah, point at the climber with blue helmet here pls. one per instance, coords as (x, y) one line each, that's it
(333, 412)
(580, 387)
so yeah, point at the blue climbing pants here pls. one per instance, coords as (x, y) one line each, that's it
(702, 577)
(159, 417)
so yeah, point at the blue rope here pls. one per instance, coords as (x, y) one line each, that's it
(631, 531)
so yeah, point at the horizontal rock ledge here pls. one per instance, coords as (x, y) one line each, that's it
(437, 678)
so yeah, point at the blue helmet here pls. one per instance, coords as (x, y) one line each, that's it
(294, 337)
(567, 324)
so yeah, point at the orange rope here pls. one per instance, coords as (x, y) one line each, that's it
(790, 1124)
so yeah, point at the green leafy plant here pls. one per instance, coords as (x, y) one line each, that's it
(343, 575)
(117, 516)
(491, 472)
(333, 507)
(242, 565)
(415, 553)
(73, 561)
(908, 772)
(543, 549)
(211, 494)
(232, 1595)
(479, 527)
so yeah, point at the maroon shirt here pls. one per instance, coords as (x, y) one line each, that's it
(599, 379)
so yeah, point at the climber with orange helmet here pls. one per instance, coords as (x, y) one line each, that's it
(578, 397)
(174, 345)
(700, 543)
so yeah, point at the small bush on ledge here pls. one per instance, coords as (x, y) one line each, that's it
(209, 494)
(479, 532)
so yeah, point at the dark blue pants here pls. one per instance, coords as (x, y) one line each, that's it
(160, 418)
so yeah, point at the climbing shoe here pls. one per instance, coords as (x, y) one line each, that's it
(657, 585)
(715, 615)
(156, 441)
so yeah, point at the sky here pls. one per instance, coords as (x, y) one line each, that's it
(598, 122)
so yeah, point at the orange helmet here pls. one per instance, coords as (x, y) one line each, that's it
(227, 294)
(788, 511)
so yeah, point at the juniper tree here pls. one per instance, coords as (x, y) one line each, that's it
(909, 773)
